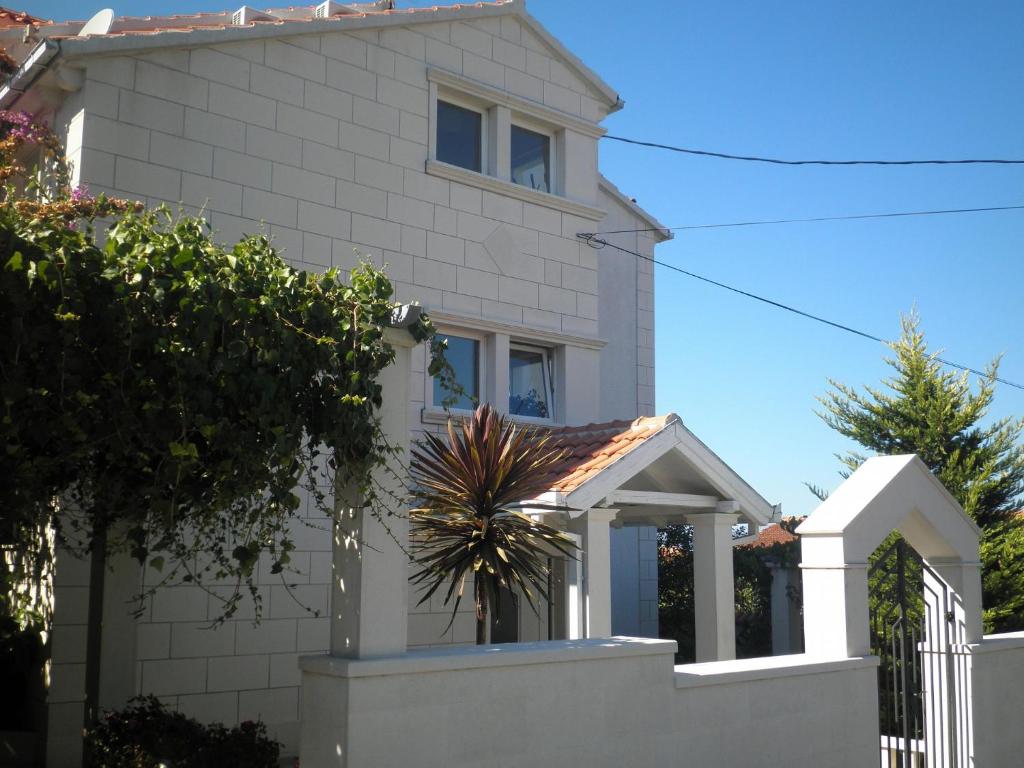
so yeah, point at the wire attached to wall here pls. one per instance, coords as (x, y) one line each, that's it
(598, 243)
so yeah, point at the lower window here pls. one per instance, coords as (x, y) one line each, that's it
(464, 356)
(529, 382)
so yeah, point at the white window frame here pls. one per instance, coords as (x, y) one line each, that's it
(473, 105)
(548, 358)
(483, 375)
(518, 121)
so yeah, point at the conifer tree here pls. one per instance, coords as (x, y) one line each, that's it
(926, 409)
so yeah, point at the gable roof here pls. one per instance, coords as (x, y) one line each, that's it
(138, 33)
(602, 457)
(591, 448)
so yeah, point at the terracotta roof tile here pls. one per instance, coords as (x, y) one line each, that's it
(151, 25)
(774, 534)
(593, 447)
(12, 18)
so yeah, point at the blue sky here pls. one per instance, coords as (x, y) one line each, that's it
(801, 79)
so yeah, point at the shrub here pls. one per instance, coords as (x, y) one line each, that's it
(146, 735)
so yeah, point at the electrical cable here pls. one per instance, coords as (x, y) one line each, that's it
(777, 161)
(815, 219)
(597, 243)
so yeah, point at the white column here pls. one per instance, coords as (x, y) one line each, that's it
(370, 585)
(714, 595)
(597, 569)
(836, 623)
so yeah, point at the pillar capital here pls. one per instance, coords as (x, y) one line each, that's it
(601, 514)
(716, 518)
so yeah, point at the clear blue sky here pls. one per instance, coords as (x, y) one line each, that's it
(832, 79)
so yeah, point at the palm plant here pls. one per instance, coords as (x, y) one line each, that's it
(466, 521)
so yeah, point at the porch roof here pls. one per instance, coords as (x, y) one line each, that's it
(652, 468)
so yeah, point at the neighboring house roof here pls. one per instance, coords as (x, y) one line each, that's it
(774, 534)
(134, 33)
(602, 458)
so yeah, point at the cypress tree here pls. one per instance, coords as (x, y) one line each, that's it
(926, 409)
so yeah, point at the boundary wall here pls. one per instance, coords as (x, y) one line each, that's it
(603, 703)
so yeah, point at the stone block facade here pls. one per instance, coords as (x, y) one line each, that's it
(323, 140)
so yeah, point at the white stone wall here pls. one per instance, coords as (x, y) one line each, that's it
(321, 141)
(596, 703)
(996, 671)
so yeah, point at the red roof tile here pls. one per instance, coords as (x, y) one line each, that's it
(11, 18)
(772, 535)
(593, 447)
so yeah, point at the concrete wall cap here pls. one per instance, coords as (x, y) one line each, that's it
(483, 656)
(769, 667)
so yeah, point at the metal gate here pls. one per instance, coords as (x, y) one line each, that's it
(915, 624)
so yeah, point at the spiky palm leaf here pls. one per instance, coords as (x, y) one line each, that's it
(465, 521)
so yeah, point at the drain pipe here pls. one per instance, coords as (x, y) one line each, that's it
(30, 70)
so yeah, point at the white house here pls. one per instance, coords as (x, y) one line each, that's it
(457, 145)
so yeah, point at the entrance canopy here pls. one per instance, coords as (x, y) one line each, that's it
(653, 470)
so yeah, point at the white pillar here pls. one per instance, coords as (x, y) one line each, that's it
(714, 595)
(597, 569)
(835, 592)
(370, 585)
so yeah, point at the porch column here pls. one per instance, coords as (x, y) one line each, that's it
(597, 570)
(713, 591)
(370, 584)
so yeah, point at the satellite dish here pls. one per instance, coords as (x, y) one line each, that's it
(99, 24)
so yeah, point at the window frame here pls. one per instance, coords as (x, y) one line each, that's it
(518, 121)
(481, 367)
(472, 105)
(548, 366)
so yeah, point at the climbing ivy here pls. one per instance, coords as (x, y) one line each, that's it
(165, 395)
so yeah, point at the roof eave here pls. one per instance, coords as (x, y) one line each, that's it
(31, 69)
(660, 231)
(124, 43)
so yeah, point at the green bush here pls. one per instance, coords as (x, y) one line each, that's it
(146, 735)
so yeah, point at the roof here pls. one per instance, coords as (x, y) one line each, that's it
(773, 535)
(12, 18)
(602, 458)
(593, 447)
(144, 32)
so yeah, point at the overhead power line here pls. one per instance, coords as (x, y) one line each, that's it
(778, 161)
(597, 243)
(815, 219)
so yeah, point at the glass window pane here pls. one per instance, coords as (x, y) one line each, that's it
(464, 356)
(531, 159)
(459, 136)
(528, 384)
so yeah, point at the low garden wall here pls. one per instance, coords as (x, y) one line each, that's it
(602, 702)
(997, 695)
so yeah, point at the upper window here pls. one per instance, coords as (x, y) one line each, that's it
(529, 382)
(459, 136)
(531, 159)
(464, 356)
